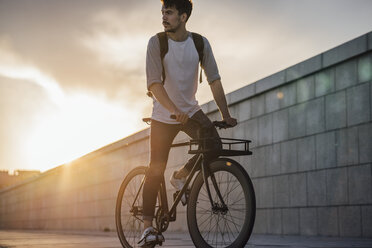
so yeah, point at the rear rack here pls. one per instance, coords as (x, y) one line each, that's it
(230, 147)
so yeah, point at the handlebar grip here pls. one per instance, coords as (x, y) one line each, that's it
(221, 124)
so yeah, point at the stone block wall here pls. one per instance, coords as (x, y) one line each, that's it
(311, 132)
(80, 195)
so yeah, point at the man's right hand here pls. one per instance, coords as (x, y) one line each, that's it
(181, 117)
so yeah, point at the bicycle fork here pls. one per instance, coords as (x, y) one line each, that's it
(215, 206)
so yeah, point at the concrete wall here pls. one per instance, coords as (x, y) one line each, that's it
(311, 133)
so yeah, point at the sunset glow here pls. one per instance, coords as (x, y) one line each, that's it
(72, 74)
(73, 125)
(81, 124)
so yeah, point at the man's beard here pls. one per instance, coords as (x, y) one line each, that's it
(172, 30)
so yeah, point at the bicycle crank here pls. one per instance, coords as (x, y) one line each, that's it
(162, 220)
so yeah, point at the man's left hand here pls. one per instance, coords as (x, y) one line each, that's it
(230, 121)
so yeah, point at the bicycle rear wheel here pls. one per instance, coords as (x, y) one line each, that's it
(128, 214)
(221, 227)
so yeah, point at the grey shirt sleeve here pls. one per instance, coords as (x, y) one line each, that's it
(154, 67)
(209, 63)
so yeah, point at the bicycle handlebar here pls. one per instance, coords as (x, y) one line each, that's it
(219, 124)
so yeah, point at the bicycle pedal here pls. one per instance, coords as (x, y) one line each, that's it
(152, 245)
(157, 243)
(187, 194)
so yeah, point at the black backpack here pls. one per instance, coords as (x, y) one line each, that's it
(163, 41)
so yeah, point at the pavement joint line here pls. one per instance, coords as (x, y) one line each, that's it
(91, 239)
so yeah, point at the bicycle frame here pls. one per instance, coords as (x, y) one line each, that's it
(171, 213)
(196, 183)
(163, 191)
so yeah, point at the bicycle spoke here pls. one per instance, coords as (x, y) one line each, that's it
(232, 233)
(227, 226)
(210, 226)
(221, 227)
(204, 221)
(233, 189)
(210, 223)
(217, 225)
(237, 201)
(233, 223)
(231, 220)
(204, 194)
(204, 209)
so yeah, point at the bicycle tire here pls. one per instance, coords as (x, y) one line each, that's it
(233, 182)
(129, 226)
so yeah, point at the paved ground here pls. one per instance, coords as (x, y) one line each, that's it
(64, 239)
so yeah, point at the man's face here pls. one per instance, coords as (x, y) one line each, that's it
(171, 20)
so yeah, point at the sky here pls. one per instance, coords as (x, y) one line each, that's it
(72, 73)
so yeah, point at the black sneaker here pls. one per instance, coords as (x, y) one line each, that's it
(150, 237)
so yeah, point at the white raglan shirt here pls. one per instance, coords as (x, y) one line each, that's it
(181, 64)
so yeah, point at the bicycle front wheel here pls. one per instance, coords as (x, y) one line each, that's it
(219, 226)
(128, 214)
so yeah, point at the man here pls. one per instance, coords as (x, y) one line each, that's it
(176, 95)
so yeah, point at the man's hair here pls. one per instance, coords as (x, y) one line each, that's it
(183, 6)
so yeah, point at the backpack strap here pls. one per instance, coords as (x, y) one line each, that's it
(199, 45)
(163, 41)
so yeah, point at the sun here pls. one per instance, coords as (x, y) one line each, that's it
(80, 124)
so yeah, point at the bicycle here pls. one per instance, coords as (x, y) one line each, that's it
(219, 214)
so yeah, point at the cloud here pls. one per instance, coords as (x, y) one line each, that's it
(11, 66)
(69, 42)
(124, 50)
(120, 51)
